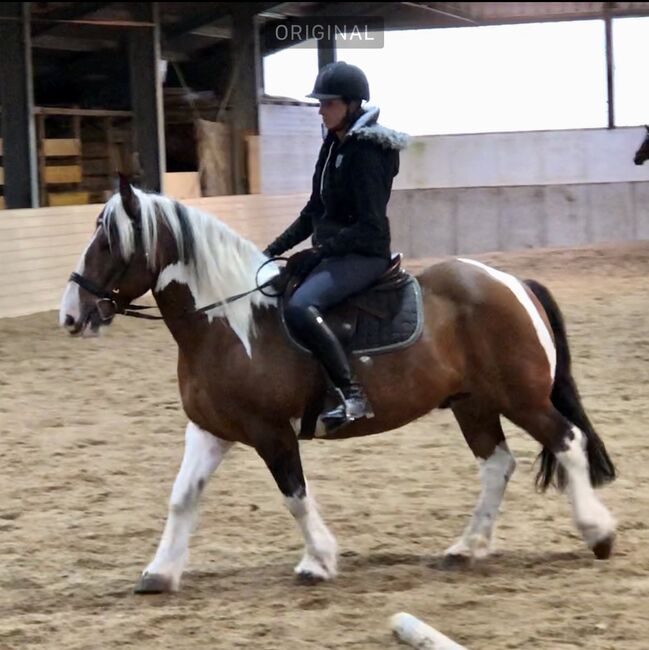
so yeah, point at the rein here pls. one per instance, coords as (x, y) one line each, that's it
(107, 304)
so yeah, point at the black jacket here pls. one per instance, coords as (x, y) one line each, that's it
(351, 188)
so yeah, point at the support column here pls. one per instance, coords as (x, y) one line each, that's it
(610, 81)
(326, 52)
(17, 97)
(146, 95)
(246, 88)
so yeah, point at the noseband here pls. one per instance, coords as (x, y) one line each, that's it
(107, 305)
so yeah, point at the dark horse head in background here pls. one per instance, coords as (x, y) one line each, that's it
(642, 153)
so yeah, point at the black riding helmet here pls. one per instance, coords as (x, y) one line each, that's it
(341, 80)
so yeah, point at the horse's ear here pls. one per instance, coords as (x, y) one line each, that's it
(129, 200)
(646, 126)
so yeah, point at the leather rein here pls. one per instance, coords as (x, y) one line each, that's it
(108, 304)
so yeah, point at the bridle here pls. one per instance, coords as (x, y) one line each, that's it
(108, 305)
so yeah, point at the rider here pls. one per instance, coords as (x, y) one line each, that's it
(346, 215)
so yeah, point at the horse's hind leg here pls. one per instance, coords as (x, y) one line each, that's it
(568, 444)
(484, 435)
(281, 454)
(203, 454)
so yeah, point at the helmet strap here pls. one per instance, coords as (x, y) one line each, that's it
(350, 117)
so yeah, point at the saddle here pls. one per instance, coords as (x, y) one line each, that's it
(386, 317)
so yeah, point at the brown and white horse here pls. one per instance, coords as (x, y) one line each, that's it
(491, 346)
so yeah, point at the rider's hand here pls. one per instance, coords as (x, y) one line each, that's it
(302, 263)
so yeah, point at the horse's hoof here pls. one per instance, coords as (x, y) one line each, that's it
(604, 548)
(153, 583)
(308, 579)
(454, 562)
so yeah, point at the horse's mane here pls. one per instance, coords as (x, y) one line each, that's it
(213, 260)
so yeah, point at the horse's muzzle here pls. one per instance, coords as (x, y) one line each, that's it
(89, 325)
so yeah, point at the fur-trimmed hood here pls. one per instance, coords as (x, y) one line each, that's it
(347, 210)
(366, 127)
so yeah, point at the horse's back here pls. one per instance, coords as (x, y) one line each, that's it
(461, 282)
(491, 304)
(469, 282)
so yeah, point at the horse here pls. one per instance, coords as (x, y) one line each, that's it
(642, 153)
(491, 346)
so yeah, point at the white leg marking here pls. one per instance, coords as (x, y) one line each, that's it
(495, 472)
(203, 454)
(521, 294)
(592, 518)
(321, 552)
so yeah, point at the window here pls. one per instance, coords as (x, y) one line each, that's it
(631, 61)
(473, 79)
(291, 72)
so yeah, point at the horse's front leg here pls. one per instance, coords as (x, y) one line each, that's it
(281, 454)
(203, 454)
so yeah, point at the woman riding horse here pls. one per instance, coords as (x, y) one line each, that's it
(492, 347)
(346, 215)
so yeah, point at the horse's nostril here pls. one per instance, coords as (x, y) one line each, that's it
(69, 321)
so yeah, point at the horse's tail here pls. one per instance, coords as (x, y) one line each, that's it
(565, 398)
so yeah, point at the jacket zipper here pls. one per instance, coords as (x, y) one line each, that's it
(324, 169)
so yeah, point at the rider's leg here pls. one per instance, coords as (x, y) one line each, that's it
(330, 283)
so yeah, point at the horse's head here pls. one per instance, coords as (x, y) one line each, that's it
(113, 270)
(642, 153)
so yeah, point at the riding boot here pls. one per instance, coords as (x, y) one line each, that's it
(324, 344)
(355, 405)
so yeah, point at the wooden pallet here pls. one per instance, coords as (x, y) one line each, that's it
(80, 169)
(62, 175)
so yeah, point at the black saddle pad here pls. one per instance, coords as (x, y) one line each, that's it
(379, 320)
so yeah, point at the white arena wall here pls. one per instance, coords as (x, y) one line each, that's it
(457, 194)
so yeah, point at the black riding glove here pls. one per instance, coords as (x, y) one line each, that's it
(302, 263)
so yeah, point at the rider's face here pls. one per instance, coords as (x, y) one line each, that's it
(333, 113)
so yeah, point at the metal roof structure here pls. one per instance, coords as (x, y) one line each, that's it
(81, 38)
(187, 27)
(107, 55)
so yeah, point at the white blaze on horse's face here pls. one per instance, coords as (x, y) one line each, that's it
(70, 311)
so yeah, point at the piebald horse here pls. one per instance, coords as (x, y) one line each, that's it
(491, 346)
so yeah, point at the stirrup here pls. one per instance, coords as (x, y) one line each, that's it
(349, 410)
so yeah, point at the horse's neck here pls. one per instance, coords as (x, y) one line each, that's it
(212, 353)
(179, 290)
(178, 300)
(176, 305)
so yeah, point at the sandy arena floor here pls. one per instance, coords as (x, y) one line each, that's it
(91, 437)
